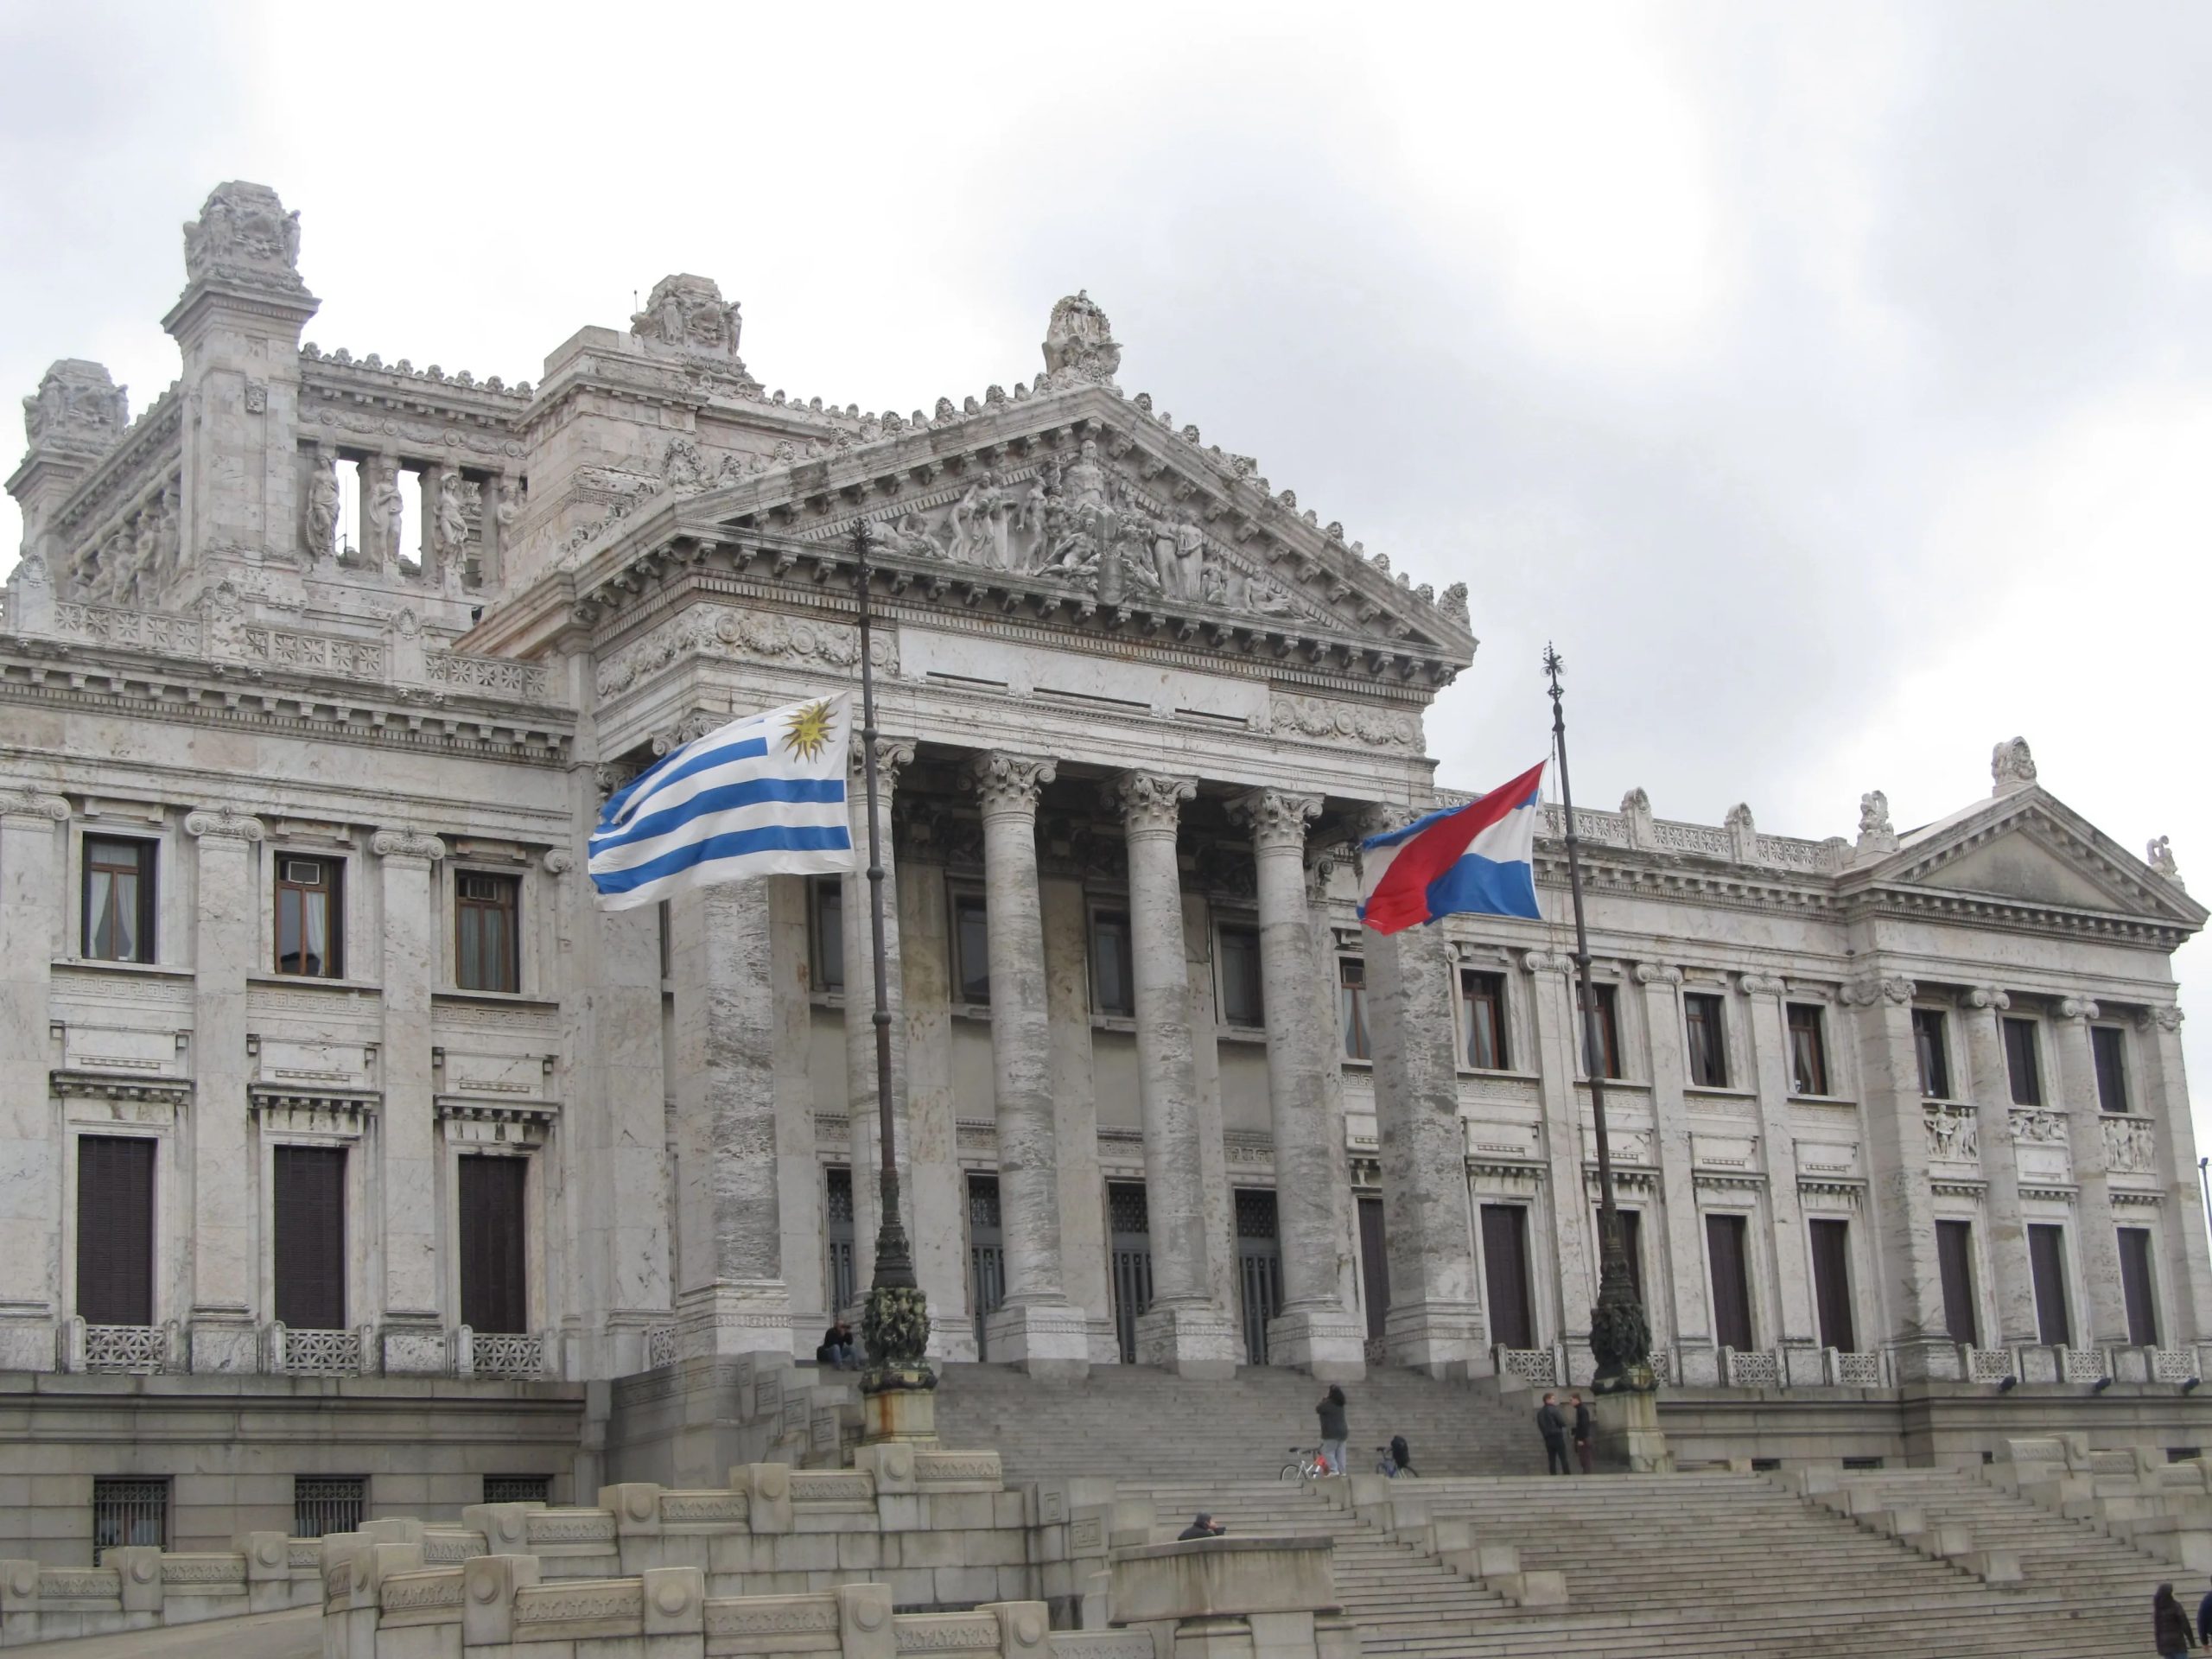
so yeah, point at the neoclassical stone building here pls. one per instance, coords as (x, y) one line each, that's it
(318, 1059)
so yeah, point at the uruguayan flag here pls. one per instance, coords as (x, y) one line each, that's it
(763, 796)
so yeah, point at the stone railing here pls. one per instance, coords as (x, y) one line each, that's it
(141, 1588)
(345, 657)
(519, 1357)
(107, 625)
(291, 1352)
(2082, 1365)
(124, 1350)
(497, 676)
(1988, 1365)
(1746, 1368)
(1539, 1368)
(1853, 1370)
(660, 1347)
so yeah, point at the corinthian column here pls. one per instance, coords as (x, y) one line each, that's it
(1035, 1328)
(2013, 1289)
(1182, 1329)
(223, 1256)
(2165, 1095)
(2085, 1123)
(857, 936)
(1315, 1330)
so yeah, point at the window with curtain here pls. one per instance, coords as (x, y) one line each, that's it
(1808, 1051)
(1709, 1040)
(2108, 1048)
(118, 899)
(2021, 1063)
(487, 946)
(310, 923)
(1608, 1035)
(1484, 996)
(1930, 1048)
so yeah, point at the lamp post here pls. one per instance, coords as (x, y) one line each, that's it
(1620, 1337)
(895, 1318)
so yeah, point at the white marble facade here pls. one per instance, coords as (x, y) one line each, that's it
(1136, 704)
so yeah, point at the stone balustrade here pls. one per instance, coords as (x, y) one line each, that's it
(142, 1588)
(2133, 1493)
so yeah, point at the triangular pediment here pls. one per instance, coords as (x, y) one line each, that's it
(1080, 508)
(2030, 849)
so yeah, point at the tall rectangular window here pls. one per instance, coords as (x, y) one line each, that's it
(1724, 1249)
(1831, 1283)
(826, 921)
(2021, 1062)
(1607, 1037)
(1485, 994)
(1113, 980)
(115, 1230)
(971, 947)
(1954, 1261)
(1241, 1000)
(488, 944)
(310, 922)
(1708, 1045)
(2137, 1287)
(837, 1241)
(492, 1283)
(118, 899)
(1933, 1053)
(1351, 1004)
(2047, 1266)
(1505, 1275)
(309, 1245)
(2107, 1048)
(1809, 1051)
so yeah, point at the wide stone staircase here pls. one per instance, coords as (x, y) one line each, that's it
(1134, 1422)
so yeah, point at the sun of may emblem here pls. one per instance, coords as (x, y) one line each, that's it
(807, 733)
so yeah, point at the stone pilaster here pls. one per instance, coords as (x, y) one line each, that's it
(2164, 1097)
(224, 1220)
(1316, 1330)
(1435, 1323)
(1793, 1267)
(1036, 1327)
(31, 909)
(1075, 1114)
(857, 935)
(2106, 1320)
(731, 1298)
(410, 1327)
(1559, 1048)
(1327, 1017)
(1183, 1329)
(1896, 1159)
(940, 1184)
(2011, 1286)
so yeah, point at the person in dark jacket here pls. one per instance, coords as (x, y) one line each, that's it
(2170, 1625)
(2204, 1621)
(1333, 1431)
(1203, 1526)
(837, 1348)
(1585, 1432)
(1553, 1426)
(1402, 1461)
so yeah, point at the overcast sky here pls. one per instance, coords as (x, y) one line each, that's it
(1833, 384)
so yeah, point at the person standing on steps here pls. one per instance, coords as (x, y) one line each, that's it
(2170, 1625)
(1584, 1429)
(2204, 1621)
(1553, 1426)
(1334, 1434)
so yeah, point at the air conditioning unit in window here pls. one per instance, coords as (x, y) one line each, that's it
(303, 872)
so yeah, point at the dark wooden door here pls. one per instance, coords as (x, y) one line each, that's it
(2047, 1265)
(310, 1243)
(1831, 1283)
(986, 1256)
(1258, 1268)
(1374, 1265)
(115, 1230)
(1128, 1225)
(1505, 1275)
(1954, 1261)
(492, 1281)
(1732, 1284)
(2135, 1286)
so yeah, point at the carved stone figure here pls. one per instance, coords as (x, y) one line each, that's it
(145, 557)
(683, 468)
(2012, 768)
(1086, 480)
(323, 505)
(687, 313)
(76, 406)
(387, 508)
(244, 234)
(511, 505)
(452, 521)
(1876, 833)
(1183, 575)
(2159, 855)
(1080, 343)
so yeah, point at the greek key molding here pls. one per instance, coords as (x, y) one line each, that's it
(1010, 782)
(1278, 818)
(223, 824)
(406, 843)
(1150, 803)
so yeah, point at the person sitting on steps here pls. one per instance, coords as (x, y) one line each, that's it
(1203, 1526)
(1401, 1456)
(838, 1348)
(1330, 1411)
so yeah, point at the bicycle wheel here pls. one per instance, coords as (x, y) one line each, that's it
(1291, 1472)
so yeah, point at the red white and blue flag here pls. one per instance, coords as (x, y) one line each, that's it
(1477, 858)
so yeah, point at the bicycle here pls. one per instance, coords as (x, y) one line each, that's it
(1390, 1468)
(1306, 1464)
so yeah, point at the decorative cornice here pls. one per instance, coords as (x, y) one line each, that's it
(1009, 783)
(2165, 1019)
(104, 1085)
(223, 824)
(1150, 803)
(1876, 988)
(406, 843)
(1653, 973)
(29, 804)
(1989, 996)
(1278, 818)
(2076, 1009)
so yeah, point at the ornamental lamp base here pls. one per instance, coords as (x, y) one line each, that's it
(896, 1410)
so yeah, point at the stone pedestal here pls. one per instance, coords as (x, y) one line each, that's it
(1234, 1597)
(1629, 1439)
(899, 1415)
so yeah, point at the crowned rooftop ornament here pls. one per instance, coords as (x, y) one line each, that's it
(244, 236)
(1079, 344)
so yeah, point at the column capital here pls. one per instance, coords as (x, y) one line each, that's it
(1278, 818)
(559, 861)
(2073, 1009)
(1878, 987)
(1150, 801)
(1009, 783)
(29, 804)
(1321, 869)
(1989, 996)
(892, 756)
(406, 843)
(1764, 984)
(1654, 973)
(1546, 962)
(223, 824)
(2165, 1019)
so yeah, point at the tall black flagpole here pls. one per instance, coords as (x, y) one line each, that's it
(895, 1320)
(1620, 1337)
